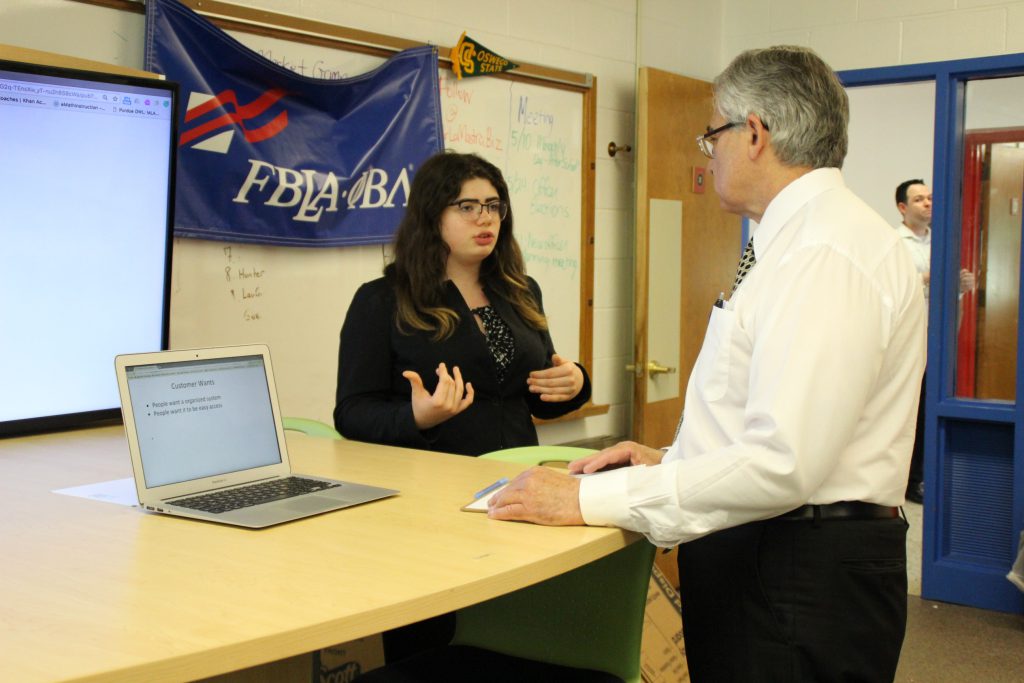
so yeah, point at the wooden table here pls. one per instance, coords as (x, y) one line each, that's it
(96, 591)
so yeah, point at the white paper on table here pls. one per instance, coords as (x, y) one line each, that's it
(117, 491)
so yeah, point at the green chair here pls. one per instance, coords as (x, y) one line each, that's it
(310, 427)
(591, 617)
(538, 455)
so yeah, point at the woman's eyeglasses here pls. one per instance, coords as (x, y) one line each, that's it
(471, 209)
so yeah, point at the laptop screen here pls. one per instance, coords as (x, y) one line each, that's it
(202, 418)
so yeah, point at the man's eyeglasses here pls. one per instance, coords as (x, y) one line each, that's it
(706, 142)
(471, 209)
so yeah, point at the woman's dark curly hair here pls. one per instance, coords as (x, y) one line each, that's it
(417, 271)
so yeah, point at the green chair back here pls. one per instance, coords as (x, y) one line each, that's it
(310, 427)
(591, 617)
(537, 455)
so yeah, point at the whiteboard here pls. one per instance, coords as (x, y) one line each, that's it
(294, 299)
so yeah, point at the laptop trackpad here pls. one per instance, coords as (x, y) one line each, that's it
(311, 504)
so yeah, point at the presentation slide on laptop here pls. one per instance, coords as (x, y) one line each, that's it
(199, 419)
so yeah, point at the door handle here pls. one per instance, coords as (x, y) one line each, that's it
(653, 368)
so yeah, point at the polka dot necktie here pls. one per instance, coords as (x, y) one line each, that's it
(746, 263)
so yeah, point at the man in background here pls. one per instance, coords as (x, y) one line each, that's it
(914, 202)
(783, 483)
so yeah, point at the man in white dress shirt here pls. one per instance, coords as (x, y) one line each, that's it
(914, 202)
(783, 483)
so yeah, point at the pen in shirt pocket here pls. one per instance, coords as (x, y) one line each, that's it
(720, 301)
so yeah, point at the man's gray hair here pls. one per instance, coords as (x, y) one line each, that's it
(798, 98)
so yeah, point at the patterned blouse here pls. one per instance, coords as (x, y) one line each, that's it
(499, 339)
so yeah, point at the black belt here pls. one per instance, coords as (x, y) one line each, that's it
(841, 510)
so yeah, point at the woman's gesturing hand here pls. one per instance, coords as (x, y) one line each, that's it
(450, 397)
(561, 382)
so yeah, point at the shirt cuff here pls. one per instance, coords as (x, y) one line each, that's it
(604, 498)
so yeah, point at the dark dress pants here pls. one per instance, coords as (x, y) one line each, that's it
(795, 600)
(421, 636)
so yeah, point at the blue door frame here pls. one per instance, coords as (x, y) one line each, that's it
(974, 450)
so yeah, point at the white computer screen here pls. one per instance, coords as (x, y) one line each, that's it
(86, 195)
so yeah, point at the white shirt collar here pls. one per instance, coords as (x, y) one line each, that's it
(907, 233)
(789, 200)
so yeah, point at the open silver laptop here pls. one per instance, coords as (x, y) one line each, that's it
(206, 439)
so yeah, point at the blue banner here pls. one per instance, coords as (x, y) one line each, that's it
(271, 157)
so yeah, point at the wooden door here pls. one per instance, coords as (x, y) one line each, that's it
(1000, 283)
(686, 247)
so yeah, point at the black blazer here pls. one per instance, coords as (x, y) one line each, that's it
(373, 399)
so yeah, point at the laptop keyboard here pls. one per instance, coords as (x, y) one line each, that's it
(255, 494)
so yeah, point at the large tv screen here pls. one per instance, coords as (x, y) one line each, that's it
(86, 202)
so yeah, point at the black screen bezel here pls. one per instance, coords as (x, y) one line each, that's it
(111, 415)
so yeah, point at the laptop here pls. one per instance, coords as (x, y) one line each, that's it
(206, 440)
